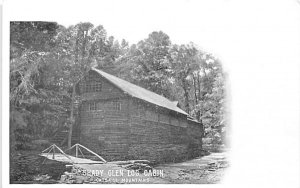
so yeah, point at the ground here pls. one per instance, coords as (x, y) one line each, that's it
(203, 170)
(207, 169)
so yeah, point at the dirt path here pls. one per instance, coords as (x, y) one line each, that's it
(202, 170)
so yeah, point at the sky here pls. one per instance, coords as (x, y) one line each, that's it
(213, 25)
(258, 42)
(206, 23)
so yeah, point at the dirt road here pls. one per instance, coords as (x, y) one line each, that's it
(203, 170)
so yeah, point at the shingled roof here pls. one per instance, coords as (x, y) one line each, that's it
(140, 93)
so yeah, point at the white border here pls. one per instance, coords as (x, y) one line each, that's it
(262, 45)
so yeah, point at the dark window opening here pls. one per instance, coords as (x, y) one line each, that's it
(93, 106)
(116, 105)
(93, 87)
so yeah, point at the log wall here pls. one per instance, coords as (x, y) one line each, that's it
(136, 130)
(160, 136)
(106, 131)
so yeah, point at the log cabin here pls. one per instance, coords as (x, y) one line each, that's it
(121, 121)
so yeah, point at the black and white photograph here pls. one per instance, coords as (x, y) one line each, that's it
(83, 102)
(151, 92)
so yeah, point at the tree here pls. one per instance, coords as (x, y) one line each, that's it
(184, 62)
(209, 92)
(149, 63)
(83, 46)
(31, 36)
(47, 60)
(218, 108)
(76, 44)
(30, 91)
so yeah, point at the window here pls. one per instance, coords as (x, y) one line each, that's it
(88, 87)
(116, 105)
(90, 106)
(93, 106)
(94, 86)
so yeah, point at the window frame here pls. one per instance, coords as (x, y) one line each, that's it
(116, 105)
(92, 106)
(92, 86)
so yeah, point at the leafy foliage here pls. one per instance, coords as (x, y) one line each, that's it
(149, 62)
(47, 60)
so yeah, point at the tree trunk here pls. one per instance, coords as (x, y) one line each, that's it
(186, 96)
(199, 87)
(195, 90)
(198, 115)
(71, 118)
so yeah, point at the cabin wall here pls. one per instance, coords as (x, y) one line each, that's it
(136, 130)
(195, 133)
(105, 128)
(160, 136)
(108, 91)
